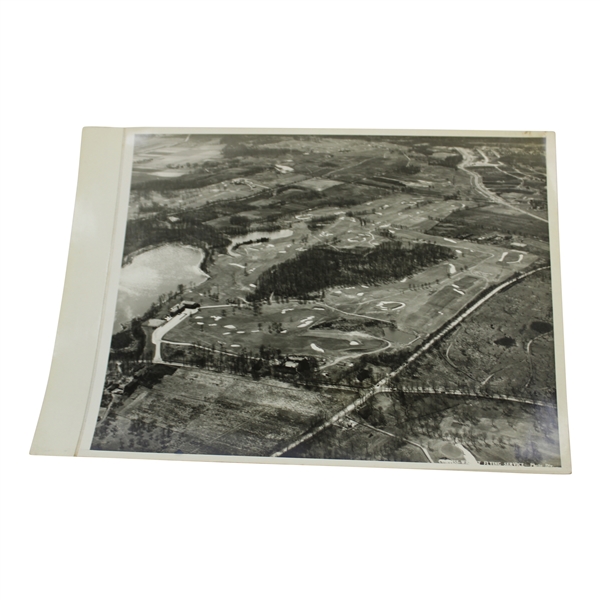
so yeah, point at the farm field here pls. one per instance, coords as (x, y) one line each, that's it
(369, 272)
(488, 220)
(198, 412)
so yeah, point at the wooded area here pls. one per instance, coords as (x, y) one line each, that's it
(189, 229)
(322, 267)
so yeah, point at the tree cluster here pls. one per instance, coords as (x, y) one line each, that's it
(129, 343)
(189, 229)
(451, 161)
(322, 267)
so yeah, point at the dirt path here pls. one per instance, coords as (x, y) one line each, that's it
(530, 359)
(356, 356)
(474, 395)
(421, 448)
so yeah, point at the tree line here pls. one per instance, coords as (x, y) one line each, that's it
(267, 362)
(188, 229)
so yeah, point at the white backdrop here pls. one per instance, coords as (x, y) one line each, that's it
(96, 528)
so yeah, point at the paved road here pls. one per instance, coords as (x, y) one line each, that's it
(160, 332)
(469, 458)
(422, 449)
(477, 181)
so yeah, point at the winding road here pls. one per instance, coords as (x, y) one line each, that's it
(477, 182)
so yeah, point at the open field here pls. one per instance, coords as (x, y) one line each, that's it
(285, 327)
(198, 412)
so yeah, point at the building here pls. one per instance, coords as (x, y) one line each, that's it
(189, 304)
(283, 169)
(175, 310)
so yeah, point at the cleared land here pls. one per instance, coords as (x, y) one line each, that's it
(199, 412)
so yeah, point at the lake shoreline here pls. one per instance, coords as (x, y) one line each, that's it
(128, 258)
(154, 272)
(134, 300)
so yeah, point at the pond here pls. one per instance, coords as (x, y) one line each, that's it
(541, 326)
(155, 272)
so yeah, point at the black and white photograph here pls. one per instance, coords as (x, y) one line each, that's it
(356, 297)
(299, 299)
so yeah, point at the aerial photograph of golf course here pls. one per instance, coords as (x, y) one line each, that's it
(341, 297)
